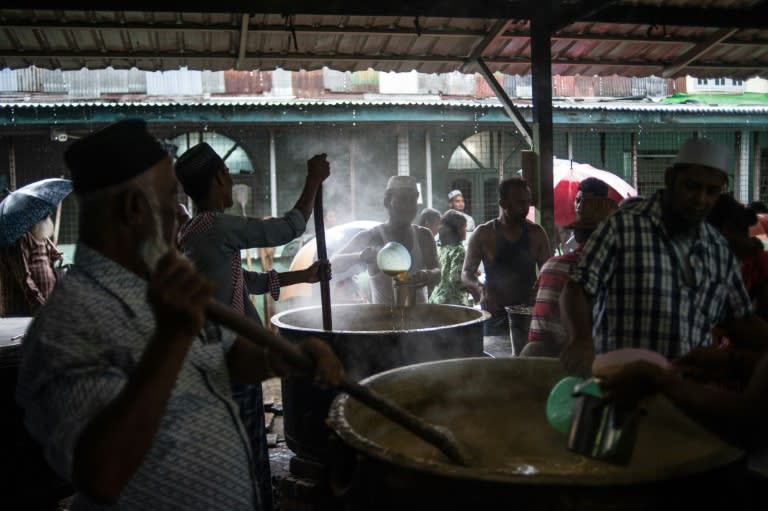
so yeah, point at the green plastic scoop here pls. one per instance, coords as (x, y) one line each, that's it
(561, 400)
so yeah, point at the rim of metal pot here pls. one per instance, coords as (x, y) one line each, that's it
(339, 424)
(277, 319)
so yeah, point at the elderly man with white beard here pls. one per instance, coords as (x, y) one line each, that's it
(122, 380)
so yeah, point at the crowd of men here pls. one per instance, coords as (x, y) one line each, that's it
(143, 403)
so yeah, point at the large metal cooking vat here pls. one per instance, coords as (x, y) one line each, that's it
(370, 339)
(496, 409)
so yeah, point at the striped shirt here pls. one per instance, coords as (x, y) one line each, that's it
(77, 356)
(546, 324)
(641, 296)
(26, 275)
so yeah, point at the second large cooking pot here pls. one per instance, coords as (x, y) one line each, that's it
(496, 410)
(369, 339)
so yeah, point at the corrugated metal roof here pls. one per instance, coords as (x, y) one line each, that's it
(93, 84)
(634, 46)
(601, 105)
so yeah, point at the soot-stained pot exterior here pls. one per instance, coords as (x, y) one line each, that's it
(496, 410)
(366, 342)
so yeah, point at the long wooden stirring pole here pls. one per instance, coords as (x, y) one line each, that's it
(245, 326)
(322, 253)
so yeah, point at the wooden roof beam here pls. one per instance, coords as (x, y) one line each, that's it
(572, 15)
(697, 51)
(243, 45)
(638, 38)
(493, 33)
(709, 17)
(517, 118)
(229, 27)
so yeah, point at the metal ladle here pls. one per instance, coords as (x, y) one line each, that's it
(430, 433)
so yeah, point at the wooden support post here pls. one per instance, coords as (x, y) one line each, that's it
(756, 170)
(541, 70)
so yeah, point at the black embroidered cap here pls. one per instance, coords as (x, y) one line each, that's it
(112, 155)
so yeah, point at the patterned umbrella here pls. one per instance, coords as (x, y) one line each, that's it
(23, 208)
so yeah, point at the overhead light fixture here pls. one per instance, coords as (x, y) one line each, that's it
(60, 135)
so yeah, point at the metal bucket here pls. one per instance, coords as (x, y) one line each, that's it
(366, 343)
(519, 318)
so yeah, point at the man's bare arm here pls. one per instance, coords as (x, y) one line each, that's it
(431, 271)
(740, 418)
(543, 249)
(250, 363)
(472, 261)
(318, 170)
(576, 311)
(357, 250)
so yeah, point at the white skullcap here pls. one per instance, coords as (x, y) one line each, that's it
(402, 183)
(454, 193)
(705, 152)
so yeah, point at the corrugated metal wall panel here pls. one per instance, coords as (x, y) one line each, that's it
(30, 79)
(337, 81)
(53, 81)
(523, 86)
(82, 83)
(681, 84)
(308, 84)
(86, 83)
(137, 81)
(460, 84)
(509, 84)
(183, 82)
(365, 81)
(8, 82)
(112, 81)
(652, 86)
(213, 82)
(613, 86)
(431, 83)
(584, 86)
(245, 82)
(563, 86)
(399, 83)
(281, 83)
(482, 89)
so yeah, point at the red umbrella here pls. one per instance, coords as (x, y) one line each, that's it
(760, 229)
(567, 176)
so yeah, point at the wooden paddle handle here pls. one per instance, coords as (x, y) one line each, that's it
(247, 327)
(322, 253)
(253, 330)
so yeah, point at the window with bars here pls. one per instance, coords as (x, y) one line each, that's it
(489, 150)
(650, 171)
(491, 196)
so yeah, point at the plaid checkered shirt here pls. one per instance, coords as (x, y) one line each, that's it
(641, 297)
(546, 324)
